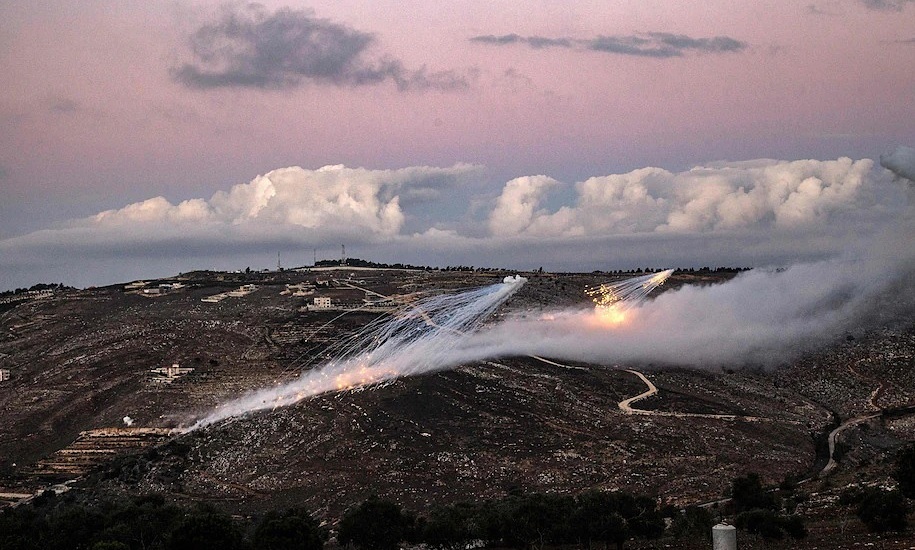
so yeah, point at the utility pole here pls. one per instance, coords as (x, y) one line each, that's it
(279, 266)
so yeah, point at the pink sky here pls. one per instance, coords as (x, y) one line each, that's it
(91, 117)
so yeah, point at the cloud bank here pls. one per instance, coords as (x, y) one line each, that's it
(751, 213)
(757, 195)
(901, 162)
(651, 44)
(249, 47)
(334, 200)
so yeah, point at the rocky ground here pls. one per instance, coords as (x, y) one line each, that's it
(82, 360)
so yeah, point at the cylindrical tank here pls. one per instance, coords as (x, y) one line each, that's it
(724, 537)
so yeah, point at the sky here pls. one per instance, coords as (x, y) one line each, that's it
(140, 139)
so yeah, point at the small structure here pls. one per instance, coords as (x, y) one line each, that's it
(243, 290)
(321, 302)
(724, 537)
(300, 289)
(4, 375)
(168, 375)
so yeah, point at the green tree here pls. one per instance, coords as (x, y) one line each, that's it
(451, 527)
(882, 510)
(293, 529)
(205, 528)
(905, 471)
(595, 519)
(374, 525)
(693, 522)
(747, 493)
(535, 520)
(771, 525)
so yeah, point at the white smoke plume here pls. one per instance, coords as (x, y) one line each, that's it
(421, 338)
(761, 317)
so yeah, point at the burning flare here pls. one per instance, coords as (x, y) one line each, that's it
(420, 338)
(613, 300)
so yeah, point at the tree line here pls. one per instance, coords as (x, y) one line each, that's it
(593, 519)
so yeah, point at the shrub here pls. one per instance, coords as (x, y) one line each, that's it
(882, 510)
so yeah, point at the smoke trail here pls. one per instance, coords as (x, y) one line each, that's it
(613, 300)
(761, 317)
(421, 338)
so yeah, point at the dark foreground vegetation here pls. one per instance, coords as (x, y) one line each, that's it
(149, 522)
(594, 519)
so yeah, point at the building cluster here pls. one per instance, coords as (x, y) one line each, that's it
(27, 295)
(145, 289)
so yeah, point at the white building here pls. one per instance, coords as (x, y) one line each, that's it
(322, 302)
(4, 375)
(168, 374)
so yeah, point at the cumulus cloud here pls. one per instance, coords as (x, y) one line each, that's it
(652, 44)
(765, 194)
(901, 162)
(515, 208)
(249, 47)
(752, 213)
(329, 200)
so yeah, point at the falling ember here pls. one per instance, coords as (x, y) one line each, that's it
(421, 338)
(613, 300)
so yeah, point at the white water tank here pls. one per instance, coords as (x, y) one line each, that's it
(724, 537)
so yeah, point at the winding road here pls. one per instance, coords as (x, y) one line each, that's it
(626, 405)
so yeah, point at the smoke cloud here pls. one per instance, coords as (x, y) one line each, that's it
(761, 317)
(418, 339)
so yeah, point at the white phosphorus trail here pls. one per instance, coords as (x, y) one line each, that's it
(613, 300)
(420, 338)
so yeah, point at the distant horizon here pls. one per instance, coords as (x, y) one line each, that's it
(148, 137)
(406, 267)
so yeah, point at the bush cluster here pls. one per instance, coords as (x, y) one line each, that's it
(54, 522)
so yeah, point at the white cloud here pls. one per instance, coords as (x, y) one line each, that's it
(751, 213)
(763, 194)
(515, 209)
(330, 199)
(901, 162)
